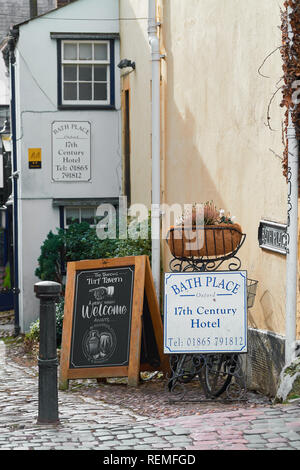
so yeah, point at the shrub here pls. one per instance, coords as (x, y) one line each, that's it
(33, 335)
(80, 242)
(76, 243)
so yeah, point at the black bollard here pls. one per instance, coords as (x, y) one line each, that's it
(47, 292)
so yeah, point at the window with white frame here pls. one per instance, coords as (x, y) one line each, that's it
(86, 72)
(80, 214)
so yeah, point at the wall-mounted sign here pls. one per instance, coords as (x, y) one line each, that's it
(112, 324)
(71, 151)
(34, 158)
(273, 236)
(205, 312)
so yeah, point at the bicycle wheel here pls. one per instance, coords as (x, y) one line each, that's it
(219, 369)
(183, 370)
(176, 366)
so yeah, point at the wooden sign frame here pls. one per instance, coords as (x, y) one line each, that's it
(143, 289)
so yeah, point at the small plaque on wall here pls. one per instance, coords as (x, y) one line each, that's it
(71, 151)
(34, 158)
(273, 236)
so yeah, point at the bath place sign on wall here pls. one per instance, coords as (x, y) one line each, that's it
(71, 151)
(273, 236)
(205, 312)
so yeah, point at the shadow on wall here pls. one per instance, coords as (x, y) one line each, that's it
(184, 167)
(189, 175)
(273, 316)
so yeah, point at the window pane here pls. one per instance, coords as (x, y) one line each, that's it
(70, 91)
(100, 51)
(100, 73)
(85, 91)
(88, 215)
(72, 216)
(85, 73)
(70, 73)
(70, 51)
(100, 91)
(85, 51)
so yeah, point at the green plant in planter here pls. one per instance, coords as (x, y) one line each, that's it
(204, 231)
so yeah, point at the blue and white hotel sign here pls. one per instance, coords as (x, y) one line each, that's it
(205, 312)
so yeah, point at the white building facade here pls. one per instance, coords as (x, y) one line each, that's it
(67, 138)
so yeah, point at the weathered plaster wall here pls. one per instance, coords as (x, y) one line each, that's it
(216, 106)
(216, 144)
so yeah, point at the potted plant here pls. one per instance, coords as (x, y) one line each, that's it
(204, 231)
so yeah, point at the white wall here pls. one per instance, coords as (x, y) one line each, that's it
(36, 76)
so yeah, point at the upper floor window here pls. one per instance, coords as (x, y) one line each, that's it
(86, 73)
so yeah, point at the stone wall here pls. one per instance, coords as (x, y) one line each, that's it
(264, 361)
(18, 11)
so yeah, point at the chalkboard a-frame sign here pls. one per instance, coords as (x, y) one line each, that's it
(112, 325)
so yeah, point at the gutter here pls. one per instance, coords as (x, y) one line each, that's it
(16, 291)
(292, 230)
(155, 206)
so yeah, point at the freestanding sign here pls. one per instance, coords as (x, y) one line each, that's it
(112, 324)
(71, 151)
(205, 312)
(102, 317)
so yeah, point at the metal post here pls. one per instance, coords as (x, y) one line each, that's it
(15, 220)
(155, 206)
(292, 228)
(47, 292)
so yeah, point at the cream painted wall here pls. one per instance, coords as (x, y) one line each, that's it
(215, 141)
(135, 46)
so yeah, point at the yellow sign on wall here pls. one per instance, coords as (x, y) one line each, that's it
(35, 158)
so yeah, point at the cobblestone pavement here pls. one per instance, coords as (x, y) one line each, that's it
(93, 416)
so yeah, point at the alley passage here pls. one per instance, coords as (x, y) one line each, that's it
(89, 423)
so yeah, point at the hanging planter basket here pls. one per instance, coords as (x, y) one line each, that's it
(204, 241)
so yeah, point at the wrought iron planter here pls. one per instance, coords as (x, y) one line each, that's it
(212, 246)
(204, 241)
(218, 374)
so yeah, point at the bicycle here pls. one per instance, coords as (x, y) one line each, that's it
(214, 371)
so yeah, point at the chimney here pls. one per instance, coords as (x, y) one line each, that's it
(33, 8)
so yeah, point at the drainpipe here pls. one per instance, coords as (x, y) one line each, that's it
(292, 231)
(16, 291)
(155, 206)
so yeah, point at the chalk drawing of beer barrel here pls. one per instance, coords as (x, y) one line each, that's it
(93, 343)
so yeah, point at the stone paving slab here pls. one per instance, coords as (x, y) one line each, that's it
(89, 423)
